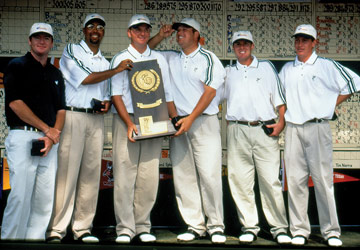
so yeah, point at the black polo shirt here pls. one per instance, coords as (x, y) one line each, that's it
(41, 88)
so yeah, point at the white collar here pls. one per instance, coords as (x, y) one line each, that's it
(311, 60)
(136, 54)
(86, 48)
(192, 54)
(253, 64)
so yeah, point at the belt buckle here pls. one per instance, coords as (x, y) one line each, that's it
(253, 124)
(32, 129)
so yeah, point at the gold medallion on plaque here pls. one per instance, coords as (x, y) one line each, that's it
(145, 81)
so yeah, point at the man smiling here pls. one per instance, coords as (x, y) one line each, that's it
(198, 79)
(252, 90)
(136, 163)
(85, 71)
(313, 86)
(35, 110)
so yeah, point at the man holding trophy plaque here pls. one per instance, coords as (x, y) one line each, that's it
(140, 112)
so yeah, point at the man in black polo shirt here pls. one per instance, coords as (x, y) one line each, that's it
(35, 111)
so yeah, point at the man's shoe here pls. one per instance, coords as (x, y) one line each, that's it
(53, 240)
(334, 242)
(88, 238)
(247, 237)
(298, 240)
(283, 239)
(189, 235)
(147, 237)
(218, 237)
(123, 239)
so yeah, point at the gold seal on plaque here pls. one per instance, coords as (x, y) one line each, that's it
(145, 81)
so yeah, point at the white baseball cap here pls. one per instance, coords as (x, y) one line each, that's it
(242, 35)
(139, 19)
(189, 22)
(305, 29)
(93, 16)
(41, 28)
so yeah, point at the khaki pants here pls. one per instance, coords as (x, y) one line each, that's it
(78, 175)
(308, 151)
(136, 179)
(251, 151)
(196, 162)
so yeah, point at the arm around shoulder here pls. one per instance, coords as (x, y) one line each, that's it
(96, 77)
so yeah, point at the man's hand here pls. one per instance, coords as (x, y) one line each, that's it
(166, 30)
(53, 134)
(126, 64)
(106, 107)
(48, 145)
(278, 127)
(131, 128)
(185, 125)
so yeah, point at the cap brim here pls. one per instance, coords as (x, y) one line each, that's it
(303, 35)
(137, 24)
(243, 39)
(175, 26)
(97, 20)
(41, 32)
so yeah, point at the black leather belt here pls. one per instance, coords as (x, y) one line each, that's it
(26, 128)
(254, 123)
(316, 120)
(84, 110)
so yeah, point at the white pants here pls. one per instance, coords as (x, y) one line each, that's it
(136, 180)
(308, 151)
(196, 163)
(78, 175)
(32, 180)
(250, 150)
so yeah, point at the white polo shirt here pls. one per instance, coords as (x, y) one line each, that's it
(188, 74)
(312, 88)
(119, 83)
(252, 92)
(78, 62)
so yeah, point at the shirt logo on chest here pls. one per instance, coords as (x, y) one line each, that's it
(56, 82)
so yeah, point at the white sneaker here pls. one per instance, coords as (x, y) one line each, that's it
(90, 239)
(189, 235)
(298, 240)
(283, 239)
(147, 237)
(123, 239)
(247, 238)
(334, 242)
(218, 238)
